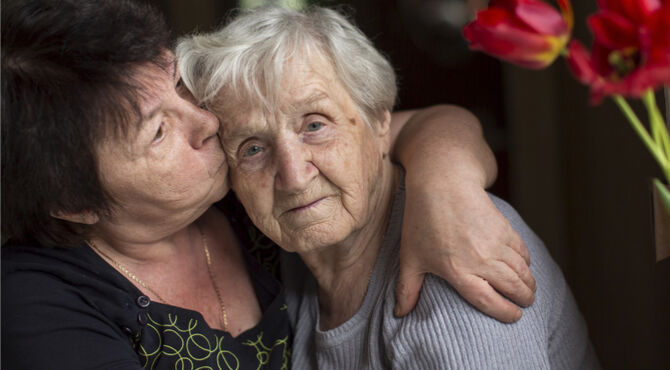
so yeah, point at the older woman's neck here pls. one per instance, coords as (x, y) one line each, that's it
(342, 271)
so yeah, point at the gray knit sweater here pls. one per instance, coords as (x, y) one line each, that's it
(443, 331)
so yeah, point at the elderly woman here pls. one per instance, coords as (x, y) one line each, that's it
(120, 254)
(304, 100)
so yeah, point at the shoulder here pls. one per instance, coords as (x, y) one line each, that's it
(57, 310)
(547, 273)
(444, 330)
(34, 270)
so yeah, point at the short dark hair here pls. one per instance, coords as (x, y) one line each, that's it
(67, 81)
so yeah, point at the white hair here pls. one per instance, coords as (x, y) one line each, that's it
(248, 55)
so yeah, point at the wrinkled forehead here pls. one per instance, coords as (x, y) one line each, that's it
(304, 80)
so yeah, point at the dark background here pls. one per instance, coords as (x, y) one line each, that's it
(578, 174)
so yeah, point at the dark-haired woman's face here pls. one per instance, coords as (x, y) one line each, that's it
(173, 168)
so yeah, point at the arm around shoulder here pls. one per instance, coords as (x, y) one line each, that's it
(450, 226)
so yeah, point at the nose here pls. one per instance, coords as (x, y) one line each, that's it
(295, 170)
(204, 125)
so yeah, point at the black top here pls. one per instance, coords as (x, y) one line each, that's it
(69, 309)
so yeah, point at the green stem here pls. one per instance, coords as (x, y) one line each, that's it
(658, 127)
(656, 152)
(655, 132)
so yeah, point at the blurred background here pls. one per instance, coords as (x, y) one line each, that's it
(578, 174)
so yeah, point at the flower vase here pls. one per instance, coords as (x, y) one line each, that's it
(661, 218)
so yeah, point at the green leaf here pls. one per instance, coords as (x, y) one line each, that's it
(664, 194)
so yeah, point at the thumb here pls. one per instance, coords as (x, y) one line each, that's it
(408, 287)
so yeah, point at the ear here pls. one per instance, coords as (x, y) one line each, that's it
(84, 217)
(384, 133)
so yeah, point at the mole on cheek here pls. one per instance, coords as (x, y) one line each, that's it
(352, 120)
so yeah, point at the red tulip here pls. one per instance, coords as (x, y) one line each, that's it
(528, 33)
(631, 49)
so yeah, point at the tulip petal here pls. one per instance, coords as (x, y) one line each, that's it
(635, 10)
(512, 44)
(494, 16)
(541, 17)
(579, 62)
(566, 11)
(655, 37)
(613, 30)
(644, 79)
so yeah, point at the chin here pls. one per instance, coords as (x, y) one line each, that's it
(222, 191)
(316, 239)
(217, 190)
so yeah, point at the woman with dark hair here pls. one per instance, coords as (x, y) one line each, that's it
(120, 253)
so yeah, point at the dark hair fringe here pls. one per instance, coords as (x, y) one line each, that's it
(67, 83)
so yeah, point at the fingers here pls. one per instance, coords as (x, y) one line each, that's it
(515, 242)
(408, 287)
(519, 266)
(507, 282)
(483, 297)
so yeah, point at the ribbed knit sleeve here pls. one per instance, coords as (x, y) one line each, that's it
(569, 345)
(443, 331)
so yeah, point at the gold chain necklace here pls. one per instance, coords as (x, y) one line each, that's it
(224, 314)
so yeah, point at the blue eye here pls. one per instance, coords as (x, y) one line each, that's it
(252, 150)
(315, 126)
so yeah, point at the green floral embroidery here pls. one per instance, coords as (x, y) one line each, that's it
(193, 347)
(263, 351)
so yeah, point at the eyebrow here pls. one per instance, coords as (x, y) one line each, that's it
(149, 115)
(309, 100)
(237, 137)
(240, 134)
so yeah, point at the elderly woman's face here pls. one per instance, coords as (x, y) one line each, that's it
(307, 174)
(173, 168)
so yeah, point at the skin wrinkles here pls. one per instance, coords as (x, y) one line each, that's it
(316, 180)
(169, 179)
(294, 168)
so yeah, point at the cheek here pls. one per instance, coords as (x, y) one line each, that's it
(255, 192)
(353, 160)
(185, 178)
(353, 169)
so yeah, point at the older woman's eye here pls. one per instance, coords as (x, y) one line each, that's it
(252, 150)
(315, 126)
